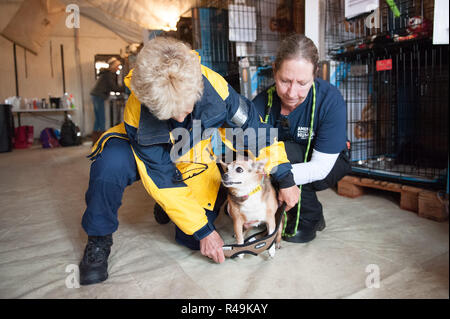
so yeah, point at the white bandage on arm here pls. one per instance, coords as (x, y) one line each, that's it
(316, 169)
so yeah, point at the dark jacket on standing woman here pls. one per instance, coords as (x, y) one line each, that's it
(106, 83)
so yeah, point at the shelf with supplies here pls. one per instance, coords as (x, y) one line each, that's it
(385, 46)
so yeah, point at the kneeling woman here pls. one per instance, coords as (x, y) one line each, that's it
(310, 115)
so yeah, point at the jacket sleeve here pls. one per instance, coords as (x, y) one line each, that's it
(258, 137)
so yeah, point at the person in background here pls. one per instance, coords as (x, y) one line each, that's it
(297, 101)
(106, 83)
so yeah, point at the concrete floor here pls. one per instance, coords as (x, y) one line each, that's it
(42, 201)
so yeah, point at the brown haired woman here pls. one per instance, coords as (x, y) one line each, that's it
(310, 115)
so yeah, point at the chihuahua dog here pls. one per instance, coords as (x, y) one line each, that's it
(252, 199)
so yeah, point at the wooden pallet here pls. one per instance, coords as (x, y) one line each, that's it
(424, 202)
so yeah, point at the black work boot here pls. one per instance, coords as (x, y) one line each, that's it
(306, 230)
(94, 265)
(160, 215)
(307, 227)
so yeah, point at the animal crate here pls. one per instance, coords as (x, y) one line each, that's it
(346, 34)
(224, 32)
(395, 87)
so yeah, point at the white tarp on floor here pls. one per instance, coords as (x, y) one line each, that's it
(42, 201)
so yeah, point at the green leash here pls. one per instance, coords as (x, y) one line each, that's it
(394, 8)
(269, 106)
(269, 103)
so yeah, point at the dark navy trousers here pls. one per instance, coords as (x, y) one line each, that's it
(114, 170)
(311, 209)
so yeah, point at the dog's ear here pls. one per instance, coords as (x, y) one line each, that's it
(223, 165)
(259, 166)
(241, 157)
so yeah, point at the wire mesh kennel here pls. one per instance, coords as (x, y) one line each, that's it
(235, 35)
(408, 20)
(395, 83)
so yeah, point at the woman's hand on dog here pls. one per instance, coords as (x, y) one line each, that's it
(289, 195)
(211, 246)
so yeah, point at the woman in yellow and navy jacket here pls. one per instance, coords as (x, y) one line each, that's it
(176, 123)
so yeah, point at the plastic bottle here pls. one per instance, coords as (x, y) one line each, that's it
(65, 101)
(72, 105)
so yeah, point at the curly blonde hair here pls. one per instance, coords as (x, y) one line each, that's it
(167, 77)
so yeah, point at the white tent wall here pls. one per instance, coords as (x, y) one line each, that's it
(34, 76)
(106, 26)
(7, 82)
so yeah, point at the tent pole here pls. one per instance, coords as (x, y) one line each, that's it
(15, 68)
(80, 78)
(62, 67)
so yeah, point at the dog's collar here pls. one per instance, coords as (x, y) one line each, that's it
(254, 191)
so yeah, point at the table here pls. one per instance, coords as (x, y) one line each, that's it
(31, 111)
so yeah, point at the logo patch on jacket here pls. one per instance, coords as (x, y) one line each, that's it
(303, 132)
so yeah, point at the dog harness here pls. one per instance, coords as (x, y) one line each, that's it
(256, 243)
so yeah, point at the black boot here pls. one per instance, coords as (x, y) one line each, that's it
(306, 230)
(160, 215)
(310, 220)
(94, 265)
